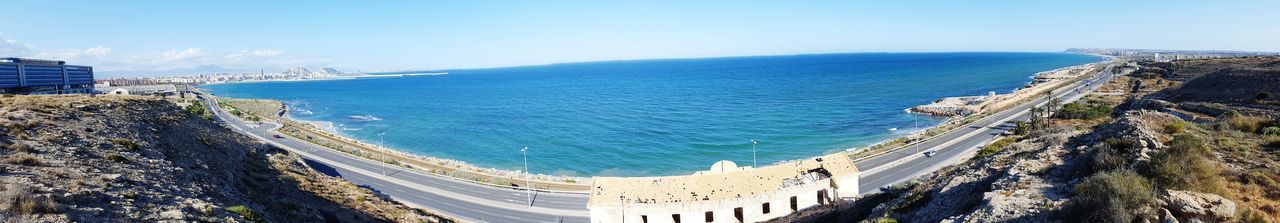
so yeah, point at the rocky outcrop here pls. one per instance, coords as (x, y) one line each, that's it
(1199, 206)
(1013, 185)
(952, 106)
(1141, 127)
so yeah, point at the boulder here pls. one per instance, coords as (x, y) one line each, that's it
(1198, 206)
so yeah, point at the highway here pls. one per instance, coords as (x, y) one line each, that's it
(473, 202)
(958, 145)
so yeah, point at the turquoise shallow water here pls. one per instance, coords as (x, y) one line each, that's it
(653, 117)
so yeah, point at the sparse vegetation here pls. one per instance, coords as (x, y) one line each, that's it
(21, 199)
(1086, 110)
(23, 159)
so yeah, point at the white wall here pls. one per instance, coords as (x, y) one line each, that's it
(694, 212)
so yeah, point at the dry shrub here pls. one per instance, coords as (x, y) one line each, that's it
(1244, 123)
(21, 199)
(1111, 197)
(22, 159)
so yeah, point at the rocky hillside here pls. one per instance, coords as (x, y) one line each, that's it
(133, 159)
(1195, 144)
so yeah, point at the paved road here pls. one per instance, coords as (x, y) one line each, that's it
(959, 145)
(467, 201)
(473, 202)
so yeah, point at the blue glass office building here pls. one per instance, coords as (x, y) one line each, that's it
(33, 76)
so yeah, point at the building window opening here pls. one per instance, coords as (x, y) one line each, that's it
(822, 197)
(737, 213)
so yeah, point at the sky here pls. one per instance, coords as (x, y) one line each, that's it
(147, 38)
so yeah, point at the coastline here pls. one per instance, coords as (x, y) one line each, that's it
(992, 103)
(329, 129)
(446, 166)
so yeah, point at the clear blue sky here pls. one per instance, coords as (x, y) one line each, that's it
(171, 37)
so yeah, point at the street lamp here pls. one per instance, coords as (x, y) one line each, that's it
(529, 197)
(753, 154)
(382, 154)
(916, 120)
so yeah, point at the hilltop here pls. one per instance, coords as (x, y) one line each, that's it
(94, 159)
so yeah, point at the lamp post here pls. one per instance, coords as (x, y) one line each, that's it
(916, 120)
(753, 154)
(529, 197)
(382, 153)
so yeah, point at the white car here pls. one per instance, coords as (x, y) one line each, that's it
(930, 153)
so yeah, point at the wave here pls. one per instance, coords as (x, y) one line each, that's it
(365, 118)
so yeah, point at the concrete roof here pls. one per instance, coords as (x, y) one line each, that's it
(723, 181)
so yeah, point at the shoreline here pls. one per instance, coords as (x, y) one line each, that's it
(458, 165)
(333, 131)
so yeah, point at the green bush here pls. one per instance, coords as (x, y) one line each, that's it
(1086, 110)
(1185, 165)
(1175, 127)
(1271, 131)
(245, 212)
(994, 147)
(117, 158)
(126, 143)
(1111, 197)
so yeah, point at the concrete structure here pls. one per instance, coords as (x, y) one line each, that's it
(154, 89)
(33, 76)
(726, 192)
(119, 91)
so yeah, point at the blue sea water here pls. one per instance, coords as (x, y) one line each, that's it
(653, 117)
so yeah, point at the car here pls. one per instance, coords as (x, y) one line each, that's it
(277, 136)
(930, 153)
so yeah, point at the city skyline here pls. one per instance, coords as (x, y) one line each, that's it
(161, 38)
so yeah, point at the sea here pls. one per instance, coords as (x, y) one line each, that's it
(653, 117)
